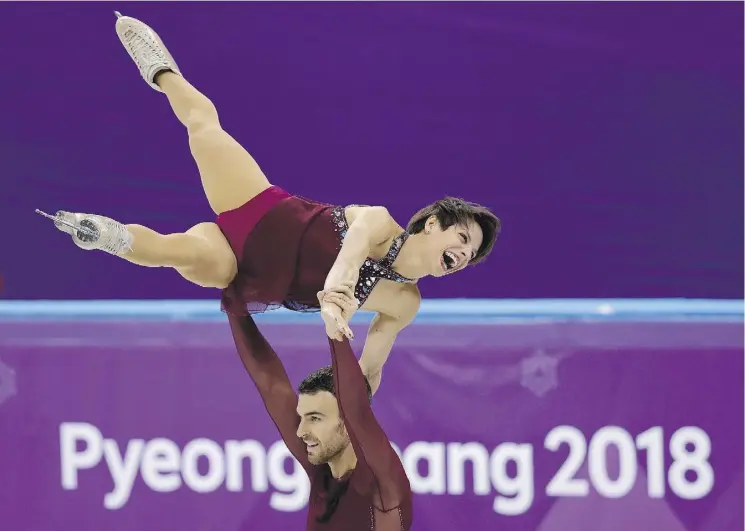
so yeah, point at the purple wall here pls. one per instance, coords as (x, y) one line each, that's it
(607, 136)
(513, 390)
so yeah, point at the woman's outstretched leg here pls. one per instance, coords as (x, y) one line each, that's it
(230, 176)
(201, 255)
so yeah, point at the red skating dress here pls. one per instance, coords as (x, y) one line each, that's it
(285, 246)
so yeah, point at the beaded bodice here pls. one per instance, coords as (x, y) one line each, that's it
(372, 270)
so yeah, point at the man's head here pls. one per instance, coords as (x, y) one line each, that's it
(321, 426)
(457, 234)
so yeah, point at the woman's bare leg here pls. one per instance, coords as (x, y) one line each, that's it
(230, 176)
(201, 255)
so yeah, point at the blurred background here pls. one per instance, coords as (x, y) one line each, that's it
(608, 138)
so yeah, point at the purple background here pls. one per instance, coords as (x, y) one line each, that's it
(608, 137)
(134, 379)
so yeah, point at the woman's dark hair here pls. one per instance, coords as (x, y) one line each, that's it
(451, 211)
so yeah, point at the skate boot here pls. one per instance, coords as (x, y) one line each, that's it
(92, 232)
(145, 48)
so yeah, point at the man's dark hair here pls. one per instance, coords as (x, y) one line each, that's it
(323, 380)
(450, 211)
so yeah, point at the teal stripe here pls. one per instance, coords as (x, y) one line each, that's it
(454, 310)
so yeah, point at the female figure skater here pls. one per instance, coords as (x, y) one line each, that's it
(268, 248)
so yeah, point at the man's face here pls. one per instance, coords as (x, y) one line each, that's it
(321, 427)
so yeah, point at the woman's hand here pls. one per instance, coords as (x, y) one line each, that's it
(337, 327)
(343, 297)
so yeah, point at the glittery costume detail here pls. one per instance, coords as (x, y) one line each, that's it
(372, 270)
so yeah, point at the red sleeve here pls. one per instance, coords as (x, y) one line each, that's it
(269, 376)
(375, 455)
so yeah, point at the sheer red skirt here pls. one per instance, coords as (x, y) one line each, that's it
(285, 246)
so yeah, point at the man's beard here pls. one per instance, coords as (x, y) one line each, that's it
(333, 449)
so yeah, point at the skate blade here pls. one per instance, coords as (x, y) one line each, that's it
(66, 223)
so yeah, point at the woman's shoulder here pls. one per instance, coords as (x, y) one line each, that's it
(380, 213)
